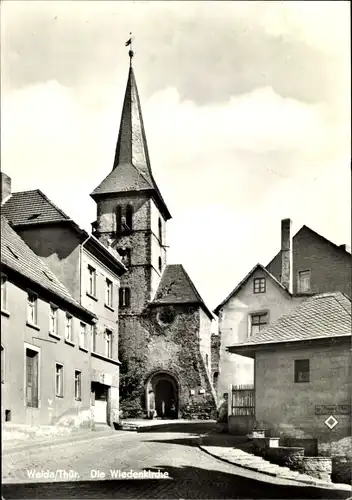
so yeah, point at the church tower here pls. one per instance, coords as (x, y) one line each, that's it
(158, 303)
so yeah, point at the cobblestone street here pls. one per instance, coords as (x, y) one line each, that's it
(192, 473)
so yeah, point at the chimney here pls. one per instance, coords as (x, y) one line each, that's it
(286, 254)
(343, 247)
(5, 187)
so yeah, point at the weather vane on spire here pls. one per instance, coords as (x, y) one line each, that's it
(130, 52)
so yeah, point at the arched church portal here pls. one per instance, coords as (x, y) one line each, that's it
(162, 395)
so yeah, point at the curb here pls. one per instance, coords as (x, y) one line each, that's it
(309, 482)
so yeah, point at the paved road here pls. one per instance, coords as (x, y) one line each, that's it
(192, 474)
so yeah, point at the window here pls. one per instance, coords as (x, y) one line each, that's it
(59, 380)
(125, 254)
(207, 361)
(108, 293)
(83, 335)
(32, 308)
(3, 292)
(124, 297)
(215, 379)
(32, 378)
(160, 263)
(303, 281)
(2, 364)
(160, 229)
(108, 343)
(92, 281)
(301, 370)
(78, 385)
(258, 322)
(68, 327)
(53, 321)
(259, 285)
(129, 217)
(118, 219)
(94, 333)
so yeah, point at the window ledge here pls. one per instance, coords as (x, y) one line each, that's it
(5, 313)
(105, 358)
(32, 325)
(92, 296)
(78, 399)
(69, 342)
(109, 307)
(54, 335)
(59, 396)
(83, 348)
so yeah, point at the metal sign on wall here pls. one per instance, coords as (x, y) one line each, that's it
(332, 409)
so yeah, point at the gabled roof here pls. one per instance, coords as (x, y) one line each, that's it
(176, 287)
(17, 256)
(340, 248)
(323, 316)
(245, 280)
(131, 169)
(32, 207)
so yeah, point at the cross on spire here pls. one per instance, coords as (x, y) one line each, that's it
(130, 52)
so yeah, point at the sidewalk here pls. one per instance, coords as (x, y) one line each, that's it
(18, 440)
(236, 450)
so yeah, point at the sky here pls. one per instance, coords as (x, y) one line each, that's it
(246, 107)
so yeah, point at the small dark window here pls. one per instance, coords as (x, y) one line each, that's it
(124, 297)
(160, 263)
(118, 219)
(129, 217)
(160, 227)
(259, 285)
(215, 379)
(301, 370)
(166, 317)
(258, 322)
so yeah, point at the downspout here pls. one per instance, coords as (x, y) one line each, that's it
(92, 423)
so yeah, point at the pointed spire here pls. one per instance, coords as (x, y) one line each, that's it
(132, 143)
(131, 168)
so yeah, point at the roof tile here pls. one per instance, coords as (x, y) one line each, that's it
(31, 207)
(321, 316)
(17, 255)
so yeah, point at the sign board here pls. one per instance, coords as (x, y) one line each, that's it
(333, 410)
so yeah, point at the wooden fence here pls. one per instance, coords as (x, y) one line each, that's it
(242, 400)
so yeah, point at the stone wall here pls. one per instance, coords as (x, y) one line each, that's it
(147, 346)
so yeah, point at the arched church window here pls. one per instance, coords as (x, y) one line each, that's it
(124, 297)
(215, 379)
(129, 217)
(160, 228)
(207, 360)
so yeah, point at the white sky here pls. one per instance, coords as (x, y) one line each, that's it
(246, 108)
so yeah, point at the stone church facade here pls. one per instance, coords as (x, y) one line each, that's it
(164, 325)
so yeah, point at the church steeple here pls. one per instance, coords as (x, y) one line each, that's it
(131, 168)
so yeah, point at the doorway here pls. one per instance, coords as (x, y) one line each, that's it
(162, 393)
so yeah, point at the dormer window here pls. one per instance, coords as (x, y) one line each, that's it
(259, 285)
